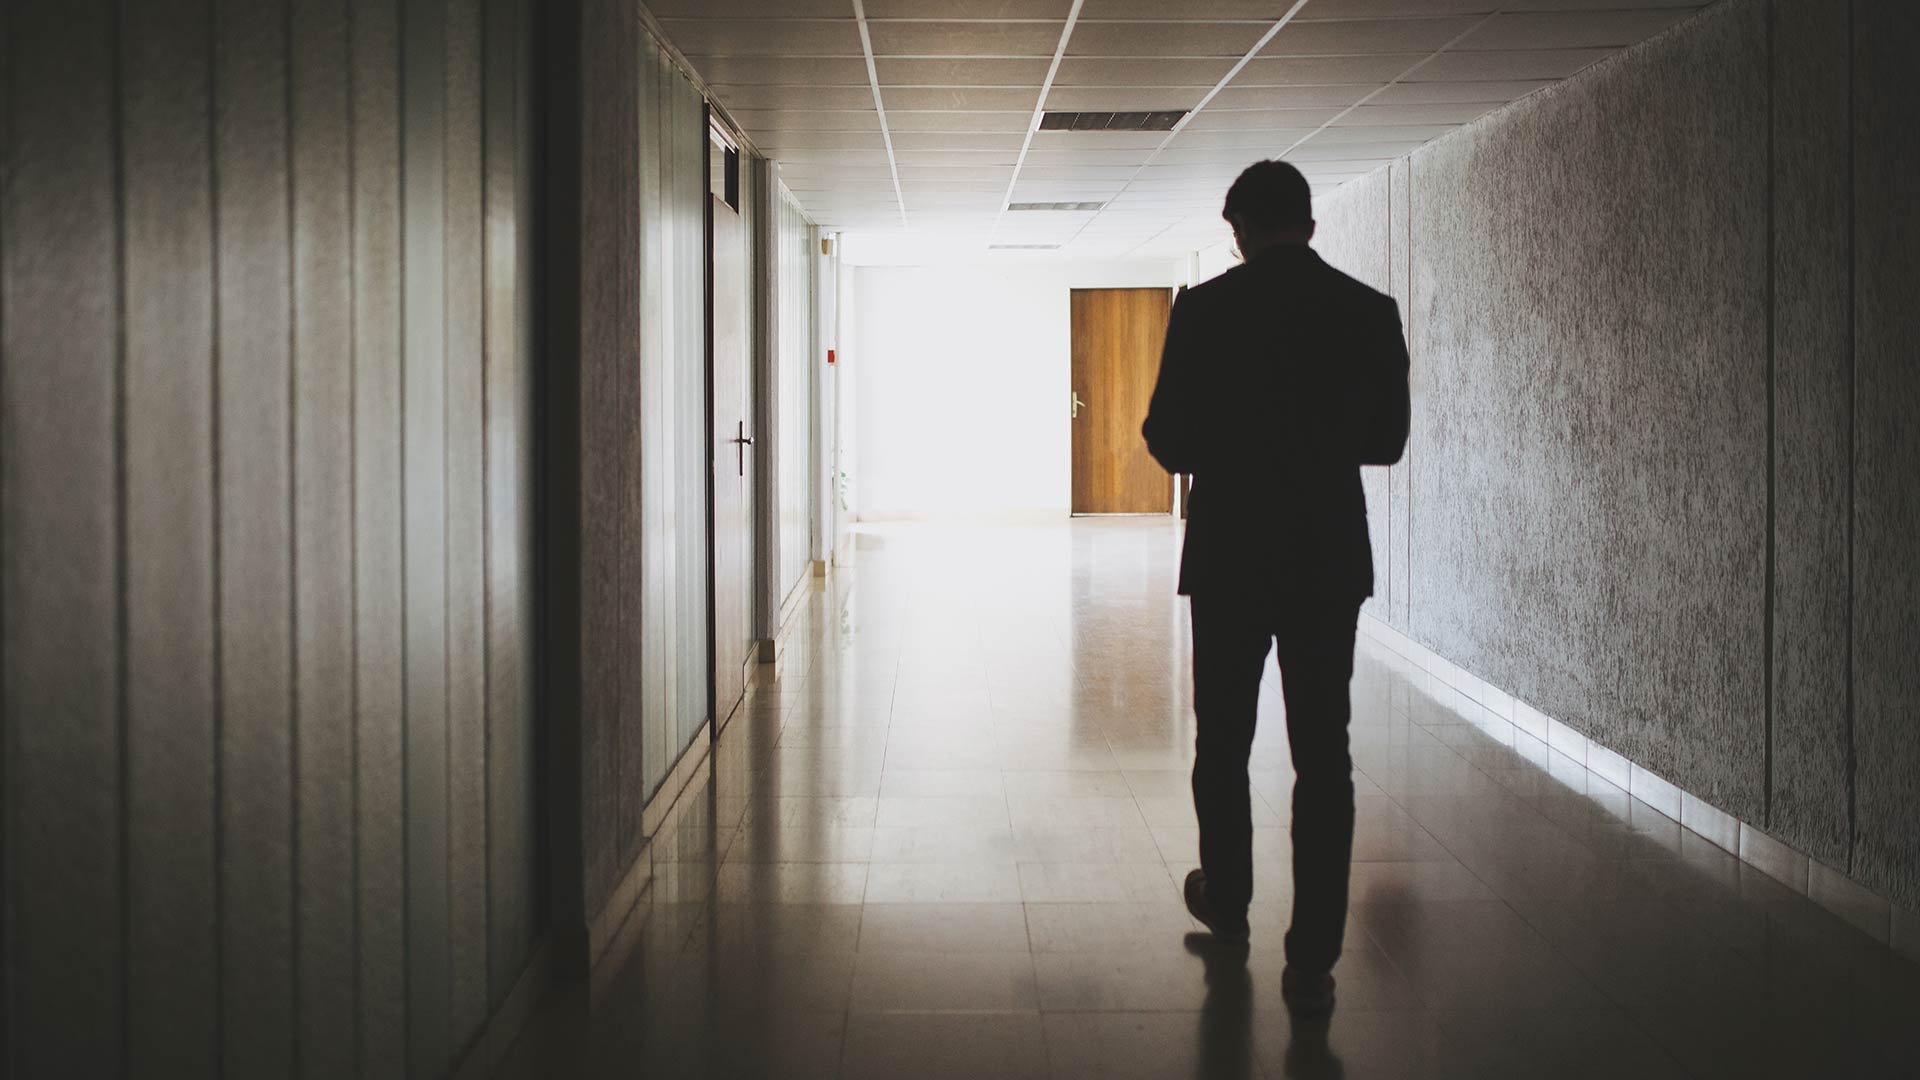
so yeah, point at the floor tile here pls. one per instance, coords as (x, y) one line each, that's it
(1152, 976)
(932, 927)
(792, 883)
(1042, 811)
(1106, 927)
(1112, 883)
(1086, 844)
(911, 981)
(1152, 1046)
(946, 844)
(759, 843)
(938, 1046)
(941, 811)
(942, 883)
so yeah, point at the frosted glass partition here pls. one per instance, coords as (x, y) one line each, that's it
(673, 424)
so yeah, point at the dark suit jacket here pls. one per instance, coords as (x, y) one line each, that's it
(1279, 379)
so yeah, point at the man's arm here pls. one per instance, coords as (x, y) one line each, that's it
(1171, 429)
(1382, 410)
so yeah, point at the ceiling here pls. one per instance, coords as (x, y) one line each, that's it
(915, 119)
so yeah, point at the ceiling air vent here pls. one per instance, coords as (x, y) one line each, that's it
(1111, 121)
(1023, 247)
(1056, 205)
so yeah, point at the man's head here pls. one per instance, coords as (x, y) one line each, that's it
(1269, 206)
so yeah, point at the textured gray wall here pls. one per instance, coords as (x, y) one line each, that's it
(1662, 476)
(1811, 412)
(609, 449)
(266, 520)
(1886, 450)
(1590, 465)
(1351, 234)
(1399, 477)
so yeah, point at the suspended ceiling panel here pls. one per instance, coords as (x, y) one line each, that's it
(920, 116)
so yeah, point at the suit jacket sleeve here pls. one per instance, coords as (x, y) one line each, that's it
(1172, 428)
(1382, 409)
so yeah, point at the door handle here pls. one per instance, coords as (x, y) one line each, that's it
(742, 440)
(1074, 404)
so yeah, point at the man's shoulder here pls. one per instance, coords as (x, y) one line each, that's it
(1215, 287)
(1348, 287)
(1235, 288)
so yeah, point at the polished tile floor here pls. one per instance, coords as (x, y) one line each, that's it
(944, 839)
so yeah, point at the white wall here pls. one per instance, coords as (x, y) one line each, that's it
(961, 384)
(1213, 261)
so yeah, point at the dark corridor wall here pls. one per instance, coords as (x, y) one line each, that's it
(1664, 477)
(266, 414)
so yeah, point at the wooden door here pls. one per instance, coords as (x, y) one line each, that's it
(1117, 334)
(732, 459)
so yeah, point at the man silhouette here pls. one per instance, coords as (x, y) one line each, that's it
(1279, 379)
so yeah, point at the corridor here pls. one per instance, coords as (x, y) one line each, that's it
(944, 838)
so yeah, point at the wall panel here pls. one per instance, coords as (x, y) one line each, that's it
(672, 495)
(59, 308)
(423, 441)
(379, 622)
(167, 239)
(253, 378)
(691, 629)
(1886, 451)
(1811, 414)
(466, 526)
(323, 539)
(246, 342)
(647, 670)
(512, 812)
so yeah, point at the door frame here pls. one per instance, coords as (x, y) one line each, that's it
(735, 186)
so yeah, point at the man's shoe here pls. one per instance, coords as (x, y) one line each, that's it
(1308, 997)
(1232, 931)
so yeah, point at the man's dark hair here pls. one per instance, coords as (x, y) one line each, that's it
(1270, 195)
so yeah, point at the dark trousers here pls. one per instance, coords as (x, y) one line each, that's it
(1315, 654)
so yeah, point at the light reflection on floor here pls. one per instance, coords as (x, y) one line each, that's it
(945, 839)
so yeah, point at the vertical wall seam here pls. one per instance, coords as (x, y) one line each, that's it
(117, 137)
(1772, 540)
(349, 54)
(1406, 456)
(483, 12)
(293, 547)
(7, 994)
(216, 359)
(1853, 361)
(1391, 592)
(401, 27)
(446, 532)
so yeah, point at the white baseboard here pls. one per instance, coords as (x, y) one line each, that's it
(1873, 914)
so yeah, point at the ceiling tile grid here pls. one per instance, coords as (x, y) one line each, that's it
(919, 116)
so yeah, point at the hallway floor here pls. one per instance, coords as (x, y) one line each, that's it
(947, 839)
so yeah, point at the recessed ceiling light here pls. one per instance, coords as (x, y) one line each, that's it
(1111, 121)
(1055, 205)
(1023, 247)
